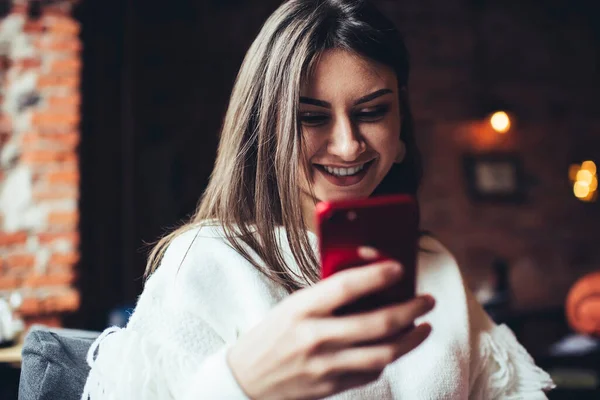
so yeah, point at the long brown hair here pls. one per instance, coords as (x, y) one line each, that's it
(254, 187)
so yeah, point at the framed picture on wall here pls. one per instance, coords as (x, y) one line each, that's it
(495, 177)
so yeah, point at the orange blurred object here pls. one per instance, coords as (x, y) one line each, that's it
(583, 305)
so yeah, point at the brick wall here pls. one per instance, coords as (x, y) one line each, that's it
(39, 172)
(539, 58)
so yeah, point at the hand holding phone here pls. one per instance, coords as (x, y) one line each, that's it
(328, 355)
(389, 224)
(364, 343)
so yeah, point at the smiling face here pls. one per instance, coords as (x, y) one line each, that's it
(350, 116)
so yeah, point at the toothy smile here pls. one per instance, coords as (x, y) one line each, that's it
(344, 171)
(338, 171)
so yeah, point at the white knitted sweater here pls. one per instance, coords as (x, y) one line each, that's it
(193, 309)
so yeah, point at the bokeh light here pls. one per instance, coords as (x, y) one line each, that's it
(589, 166)
(500, 121)
(584, 176)
(581, 190)
(585, 180)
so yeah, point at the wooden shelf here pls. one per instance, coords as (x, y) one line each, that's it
(11, 355)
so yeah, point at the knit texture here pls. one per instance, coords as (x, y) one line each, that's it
(194, 308)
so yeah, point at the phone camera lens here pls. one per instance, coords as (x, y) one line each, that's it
(351, 215)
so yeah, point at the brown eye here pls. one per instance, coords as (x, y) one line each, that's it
(313, 119)
(372, 114)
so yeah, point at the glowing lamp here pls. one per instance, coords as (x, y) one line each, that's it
(500, 122)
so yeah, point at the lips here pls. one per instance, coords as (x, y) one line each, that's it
(341, 171)
(348, 176)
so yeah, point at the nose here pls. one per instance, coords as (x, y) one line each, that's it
(345, 141)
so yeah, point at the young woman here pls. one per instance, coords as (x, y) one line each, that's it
(233, 307)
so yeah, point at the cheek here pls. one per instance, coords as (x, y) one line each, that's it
(312, 142)
(384, 140)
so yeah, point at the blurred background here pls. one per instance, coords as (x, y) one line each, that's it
(110, 113)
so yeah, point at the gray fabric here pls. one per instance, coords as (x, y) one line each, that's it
(53, 365)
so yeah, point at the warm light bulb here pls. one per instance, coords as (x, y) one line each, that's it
(589, 166)
(500, 122)
(580, 190)
(584, 177)
(590, 197)
(594, 184)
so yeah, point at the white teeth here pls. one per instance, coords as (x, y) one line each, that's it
(343, 171)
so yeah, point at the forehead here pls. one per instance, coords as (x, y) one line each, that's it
(342, 72)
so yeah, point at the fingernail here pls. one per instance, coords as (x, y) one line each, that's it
(429, 300)
(395, 268)
(425, 327)
(367, 253)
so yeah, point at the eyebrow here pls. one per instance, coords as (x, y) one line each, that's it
(364, 99)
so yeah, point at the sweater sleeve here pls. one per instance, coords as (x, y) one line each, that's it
(172, 348)
(501, 368)
(127, 365)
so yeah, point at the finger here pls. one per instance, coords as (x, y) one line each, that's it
(367, 253)
(373, 325)
(375, 358)
(347, 286)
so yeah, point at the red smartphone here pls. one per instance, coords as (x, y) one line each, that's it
(390, 224)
